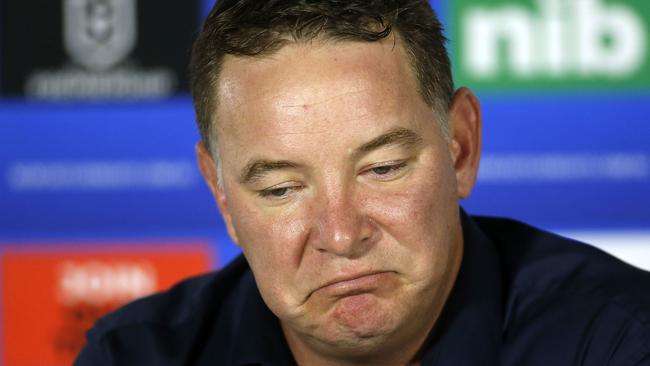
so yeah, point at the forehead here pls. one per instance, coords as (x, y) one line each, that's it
(315, 102)
(308, 74)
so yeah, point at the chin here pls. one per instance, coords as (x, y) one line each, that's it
(362, 347)
(359, 322)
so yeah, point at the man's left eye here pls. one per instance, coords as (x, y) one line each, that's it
(277, 192)
(382, 170)
(388, 170)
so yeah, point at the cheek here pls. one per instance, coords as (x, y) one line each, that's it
(272, 244)
(417, 205)
(419, 219)
(406, 215)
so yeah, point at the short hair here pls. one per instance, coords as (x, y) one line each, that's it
(255, 28)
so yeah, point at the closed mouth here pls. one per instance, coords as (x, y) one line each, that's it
(353, 285)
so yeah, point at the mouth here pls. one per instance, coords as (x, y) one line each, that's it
(353, 285)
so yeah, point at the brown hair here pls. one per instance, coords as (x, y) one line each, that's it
(260, 27)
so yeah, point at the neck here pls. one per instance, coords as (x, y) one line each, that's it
(312, 354)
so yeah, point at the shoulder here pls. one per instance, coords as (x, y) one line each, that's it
(540, 260)
(569, 297)
(167, 321)
(179, 304)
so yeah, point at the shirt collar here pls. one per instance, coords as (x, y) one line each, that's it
(259, 339)
(468, 332)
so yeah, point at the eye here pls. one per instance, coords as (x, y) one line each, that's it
(389, 170)
(382, 170)
(278, 193)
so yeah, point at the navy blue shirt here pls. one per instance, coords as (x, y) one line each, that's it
(522, 297)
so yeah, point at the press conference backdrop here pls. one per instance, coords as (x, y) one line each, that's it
(101, 201)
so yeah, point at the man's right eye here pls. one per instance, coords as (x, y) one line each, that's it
(278, 193)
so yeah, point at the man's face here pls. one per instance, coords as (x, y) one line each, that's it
(341, 191)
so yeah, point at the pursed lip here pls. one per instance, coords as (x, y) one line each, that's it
(353, 284)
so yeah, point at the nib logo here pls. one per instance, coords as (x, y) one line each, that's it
(572, 43)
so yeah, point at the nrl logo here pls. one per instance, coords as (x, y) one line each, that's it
(98, 34)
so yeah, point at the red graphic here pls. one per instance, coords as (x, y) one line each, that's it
(52, 294)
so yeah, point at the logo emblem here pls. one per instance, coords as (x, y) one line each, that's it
(539, 44)
(98, 34)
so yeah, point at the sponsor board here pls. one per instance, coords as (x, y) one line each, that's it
(95, 49)
(573, 44)
(569, 162)
(52, 294)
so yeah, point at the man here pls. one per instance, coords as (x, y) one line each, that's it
(337, 151)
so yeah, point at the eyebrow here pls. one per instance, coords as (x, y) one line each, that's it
(256, 169)
(396, 137)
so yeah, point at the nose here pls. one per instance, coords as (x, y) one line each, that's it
(343, 228)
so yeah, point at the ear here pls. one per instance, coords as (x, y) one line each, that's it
(465, 145)
(208, 169)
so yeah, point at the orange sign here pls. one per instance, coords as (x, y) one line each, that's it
(52, 294)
